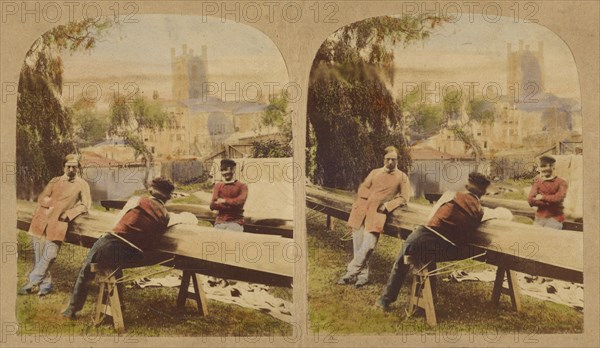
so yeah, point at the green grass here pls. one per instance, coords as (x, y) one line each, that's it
(517, 185)
(463, 307)
(149, 312)
(98, 207)
(522, 220)
(191, 199)
(421, 201)
(517, 195)
(197, 186)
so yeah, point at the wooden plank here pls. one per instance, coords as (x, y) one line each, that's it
(273, 226)
(525, 248)
(519, 208)
(522, 208)
(264, 259)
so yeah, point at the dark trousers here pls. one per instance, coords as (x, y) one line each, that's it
(110, 253)
(423, 246)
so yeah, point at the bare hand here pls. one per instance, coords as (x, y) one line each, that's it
(64, 217)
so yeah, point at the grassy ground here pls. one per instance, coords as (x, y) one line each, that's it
(516, 185)
(149, 312)
(191, 199)
(462, 307)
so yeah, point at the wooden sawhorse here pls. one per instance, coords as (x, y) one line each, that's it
(109, 302)
(198, 295)
(421, 294)
(513, 287)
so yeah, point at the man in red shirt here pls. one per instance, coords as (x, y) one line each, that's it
(547, 194)
(444, 238)
(139, 226)
(229, 197)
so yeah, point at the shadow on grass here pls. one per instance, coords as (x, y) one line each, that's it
(461, 307)
(149, 311)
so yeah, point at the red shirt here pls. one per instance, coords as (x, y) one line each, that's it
(553, 194)
(143, 222)
(235, 194)
(457, 218)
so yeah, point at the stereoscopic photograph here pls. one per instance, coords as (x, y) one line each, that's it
(154, 180)
(299, 173)
(445, 179)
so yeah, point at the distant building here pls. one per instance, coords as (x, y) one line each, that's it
(525, 71)
(528, 119)
(201, 125)
(190, 74)
(111, 151)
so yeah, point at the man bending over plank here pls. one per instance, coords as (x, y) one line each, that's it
(140, 224)
(454, 217)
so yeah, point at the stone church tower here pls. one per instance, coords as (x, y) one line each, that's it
(189, 74)
(525, 72)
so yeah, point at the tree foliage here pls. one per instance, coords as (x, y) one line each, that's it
(130, 119)
(350, 107)
(423, 119)
(44, 125)
(90, 126)
(276, 114)
(460, 122)
(480, 110)
(271, 149)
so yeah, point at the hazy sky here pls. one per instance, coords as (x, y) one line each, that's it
(457, 52)
(476, 52)
(141, 52)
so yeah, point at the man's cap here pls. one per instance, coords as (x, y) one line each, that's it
(226, 163)
(391, 149)
(478, 180)
(547, 159)
(162, 184)
(71, 160)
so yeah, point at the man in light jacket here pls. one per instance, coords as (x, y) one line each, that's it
(63, 199)
(384, 190)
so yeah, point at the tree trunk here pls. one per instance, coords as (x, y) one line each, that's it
(148, 163)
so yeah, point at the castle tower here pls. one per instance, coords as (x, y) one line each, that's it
(189, 73)
(525, 72)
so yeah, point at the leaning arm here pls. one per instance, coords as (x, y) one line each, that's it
(213, 202)
(84, 203)
(365, 187)
(559, 196)
(531, 198)
(402, 197)
(44, 197)
(240, 199)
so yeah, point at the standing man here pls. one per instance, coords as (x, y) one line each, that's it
(139, 225)
(454, 217)
(384, 190)
(547, 194)
(63, 199)
(228, 199)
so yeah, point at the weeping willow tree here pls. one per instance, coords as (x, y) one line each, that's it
(131, 120)
(44, 125)
(352, 113)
